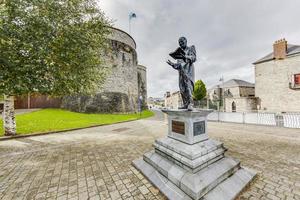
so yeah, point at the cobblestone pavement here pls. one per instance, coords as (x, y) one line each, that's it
(95, 163)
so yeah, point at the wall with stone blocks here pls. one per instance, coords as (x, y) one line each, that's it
(173, 101)
(247, 91)
(142, 83)
(234, 91)
(243, 104)
(120, 87)
(272, 85)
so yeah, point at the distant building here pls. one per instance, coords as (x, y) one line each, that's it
(173, 100)
(277, 79)
(155, 102)
(237, 95)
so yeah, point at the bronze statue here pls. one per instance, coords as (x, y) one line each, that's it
(185, 57)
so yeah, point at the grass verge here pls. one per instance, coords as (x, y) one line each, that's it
(47, 120)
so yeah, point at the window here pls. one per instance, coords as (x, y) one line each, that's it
(297, 79)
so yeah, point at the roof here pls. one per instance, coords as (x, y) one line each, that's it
(234, 83)
(114, 36)
(291, 50)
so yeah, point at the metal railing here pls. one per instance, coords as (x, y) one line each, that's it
(290, 120)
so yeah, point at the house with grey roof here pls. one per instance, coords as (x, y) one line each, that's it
(237, 95)
(277, 79)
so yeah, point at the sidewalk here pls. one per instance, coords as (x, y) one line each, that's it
(95, 163)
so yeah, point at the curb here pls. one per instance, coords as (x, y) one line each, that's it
(3, 138)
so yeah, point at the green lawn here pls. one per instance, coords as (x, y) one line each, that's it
(57, 119)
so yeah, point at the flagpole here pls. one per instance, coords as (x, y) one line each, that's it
(129, 25)
(223, 93)
(131, 15)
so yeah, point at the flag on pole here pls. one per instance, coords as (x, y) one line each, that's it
(132, 15)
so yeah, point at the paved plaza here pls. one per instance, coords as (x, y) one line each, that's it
(95, 163)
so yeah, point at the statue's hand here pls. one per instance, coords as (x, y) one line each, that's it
(188, 57)
(171, 63)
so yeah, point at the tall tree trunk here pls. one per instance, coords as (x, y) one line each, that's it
(9, 121)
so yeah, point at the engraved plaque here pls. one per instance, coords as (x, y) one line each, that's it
(178, 127)
(199, 128)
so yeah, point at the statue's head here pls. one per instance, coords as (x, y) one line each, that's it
(182, 42)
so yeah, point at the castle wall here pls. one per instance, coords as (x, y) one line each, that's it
(142, 83)
(121, 88)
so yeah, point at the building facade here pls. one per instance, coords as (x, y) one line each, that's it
(173, 100)
(277, 79)
(155, 102)
(234, 96)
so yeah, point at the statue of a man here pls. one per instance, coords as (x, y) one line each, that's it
(185, 57)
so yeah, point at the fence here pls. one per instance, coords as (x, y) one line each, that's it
(290, 120)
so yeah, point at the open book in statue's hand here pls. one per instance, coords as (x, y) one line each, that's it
(178, 54)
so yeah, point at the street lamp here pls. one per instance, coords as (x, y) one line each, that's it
(140, 104)
(223, 93)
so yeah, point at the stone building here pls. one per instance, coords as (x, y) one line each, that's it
(155, 102)
(237, 95)
(277, 79)
(173, 100)
(125, 83)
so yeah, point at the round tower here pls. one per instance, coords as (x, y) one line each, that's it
(121, 88)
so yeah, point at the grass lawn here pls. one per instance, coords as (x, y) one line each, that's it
(57, 119)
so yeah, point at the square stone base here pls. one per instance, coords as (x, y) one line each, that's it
(198, 171)
(227, 190)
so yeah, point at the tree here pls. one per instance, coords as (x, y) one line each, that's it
(199, 90)
(51, 47)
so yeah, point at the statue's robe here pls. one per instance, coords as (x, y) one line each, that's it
(187, 75)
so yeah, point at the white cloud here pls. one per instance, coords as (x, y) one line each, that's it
(229, 35)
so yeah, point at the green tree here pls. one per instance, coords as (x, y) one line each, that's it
(199, 90)
(49, 46)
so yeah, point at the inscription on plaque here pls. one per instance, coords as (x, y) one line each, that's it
(178, 127)
(199, 128)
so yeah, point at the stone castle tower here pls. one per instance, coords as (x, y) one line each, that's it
(125, 83)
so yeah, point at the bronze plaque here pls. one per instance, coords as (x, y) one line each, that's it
(199, 128)
(178, 127)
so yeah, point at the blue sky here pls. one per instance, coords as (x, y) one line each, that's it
(229, 35)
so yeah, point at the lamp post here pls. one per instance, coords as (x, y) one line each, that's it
(223, 93)
(140, 104)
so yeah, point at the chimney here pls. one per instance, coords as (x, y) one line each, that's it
(168, 94)
(280, 49)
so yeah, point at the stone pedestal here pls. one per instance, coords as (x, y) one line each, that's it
(188, 165)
